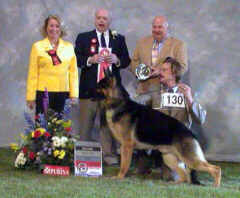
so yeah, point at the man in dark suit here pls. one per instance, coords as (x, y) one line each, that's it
(89, 60)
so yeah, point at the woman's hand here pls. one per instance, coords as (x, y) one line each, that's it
(74, 101)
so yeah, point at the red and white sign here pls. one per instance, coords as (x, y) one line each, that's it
(88, 159)
(56, 170)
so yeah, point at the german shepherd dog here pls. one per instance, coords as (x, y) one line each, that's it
(141, 127)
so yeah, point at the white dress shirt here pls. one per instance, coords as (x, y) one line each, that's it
(106, 36)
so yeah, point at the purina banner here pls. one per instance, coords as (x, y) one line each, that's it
(87, 159)
(56, 170)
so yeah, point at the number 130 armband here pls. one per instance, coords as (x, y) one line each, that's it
(172, 100)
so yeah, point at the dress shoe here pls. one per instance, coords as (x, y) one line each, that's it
(194, 178)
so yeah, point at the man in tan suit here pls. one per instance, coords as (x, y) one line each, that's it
(175, 98)
(152, 50)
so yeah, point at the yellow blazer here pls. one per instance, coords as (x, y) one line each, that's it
(56, 78)
(143, 54)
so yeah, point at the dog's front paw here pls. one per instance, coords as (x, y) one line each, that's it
(176, 182)
(116, 177)
(119, 176)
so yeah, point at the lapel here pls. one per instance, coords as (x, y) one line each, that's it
(60, 48)
(93, 35)
(164, 49)
(46, 44)
(111, 40)
(148, 50)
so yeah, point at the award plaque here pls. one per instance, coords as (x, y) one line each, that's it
(143, 72)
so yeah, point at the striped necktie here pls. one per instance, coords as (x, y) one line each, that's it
(103, 42)
(155, 52)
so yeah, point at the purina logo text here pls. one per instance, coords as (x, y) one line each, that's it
(56, 170)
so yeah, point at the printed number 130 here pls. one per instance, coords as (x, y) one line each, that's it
(175, 99)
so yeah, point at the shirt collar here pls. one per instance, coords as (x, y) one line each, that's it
(155, 42)
(106, 33)
(174, 89)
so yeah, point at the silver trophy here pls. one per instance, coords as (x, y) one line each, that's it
(143, 71)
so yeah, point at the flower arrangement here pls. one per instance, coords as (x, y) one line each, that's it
(47, 140)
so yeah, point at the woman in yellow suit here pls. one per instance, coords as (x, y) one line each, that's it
(52, 66)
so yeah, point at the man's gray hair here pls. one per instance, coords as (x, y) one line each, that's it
(109, 13)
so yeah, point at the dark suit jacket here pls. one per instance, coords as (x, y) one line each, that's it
(88, 79)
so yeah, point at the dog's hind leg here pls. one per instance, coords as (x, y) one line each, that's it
(173, 163)
(126, 157)
(194, 158)
(214, 171)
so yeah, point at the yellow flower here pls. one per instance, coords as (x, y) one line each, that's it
(14, 146)
(33, 133)
(59, 121)
(56, 153)
(61, 154)
(67, 124)
(42, 130)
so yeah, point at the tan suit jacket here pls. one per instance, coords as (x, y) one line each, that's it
(143, 54)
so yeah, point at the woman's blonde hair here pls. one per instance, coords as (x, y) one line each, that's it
(57, 18)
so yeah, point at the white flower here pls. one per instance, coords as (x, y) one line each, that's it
(20, 160)
(63, 141)
(56, 141)
(114, 33)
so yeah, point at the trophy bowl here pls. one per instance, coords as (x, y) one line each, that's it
(143, 72)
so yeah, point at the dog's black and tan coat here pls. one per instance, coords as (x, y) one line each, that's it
(141, 127)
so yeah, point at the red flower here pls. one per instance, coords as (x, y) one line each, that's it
(31, 155)
(46, 134)
(24, 150)
(37, 134)
(37, 117)
(68, 129)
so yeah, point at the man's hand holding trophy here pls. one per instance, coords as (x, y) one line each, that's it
(143, 72)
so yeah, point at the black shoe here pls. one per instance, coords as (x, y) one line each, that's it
(194, 179)
(142, 165)
(144, 171)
